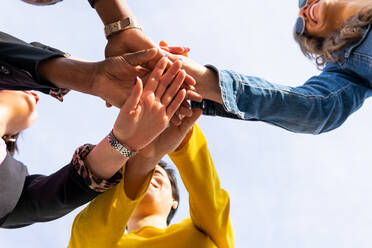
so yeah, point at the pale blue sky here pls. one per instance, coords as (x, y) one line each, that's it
(287, 190)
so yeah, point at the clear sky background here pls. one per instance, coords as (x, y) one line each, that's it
(287, 190)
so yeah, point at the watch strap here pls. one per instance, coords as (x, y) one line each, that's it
(121, 148)
(121, 25)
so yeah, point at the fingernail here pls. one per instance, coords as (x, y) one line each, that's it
(187, 49)
(136, 81)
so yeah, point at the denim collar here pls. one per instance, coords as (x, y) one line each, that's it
(354, 45)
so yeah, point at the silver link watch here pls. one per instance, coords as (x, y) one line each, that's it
(123, 149)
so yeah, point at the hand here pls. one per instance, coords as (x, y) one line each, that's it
(177, 50)
(113, 78)
(207, 85)
(170, 139)
(128, 41)
(133, 40)
(147, 111)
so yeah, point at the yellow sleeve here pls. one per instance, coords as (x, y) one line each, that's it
(102, 223)
(209, 203)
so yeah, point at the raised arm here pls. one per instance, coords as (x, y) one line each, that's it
(209, 203)
(102, 223)
(36, 66)
(320, 105)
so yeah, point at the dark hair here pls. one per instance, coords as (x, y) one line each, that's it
(175, 191)
(327, 49)
(11, 143)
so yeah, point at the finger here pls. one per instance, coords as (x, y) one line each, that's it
(168, 78)
(163, 43)
(184, 111)
(188, 122)
(173, 88)
(165, 48)
(186, 104)
(135, 96)
(176, 120)
(140, 57)
(190, 80)
(194, 96)
(178, 99)
(177, 50)
(189, 87)
(156, 74)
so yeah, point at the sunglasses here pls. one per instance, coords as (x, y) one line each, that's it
(300, 23)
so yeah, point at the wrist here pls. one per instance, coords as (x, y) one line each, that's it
(149, 157)
(208, 85)
(120, 147)
(112, 10)
(130, 142)
(77, 78)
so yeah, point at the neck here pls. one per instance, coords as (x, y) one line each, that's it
(4, 117)
(137, 222)
(352, 7)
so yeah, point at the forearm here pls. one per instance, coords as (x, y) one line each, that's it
(20, 62)
(112, 10)
(322, 104)
(69, 73)
(46, 198)
(103, 161)
(137, 172)
(103, 222)
(209, 203)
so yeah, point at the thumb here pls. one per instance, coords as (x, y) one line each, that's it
(141, 57)
(188, 122)
(135, 96)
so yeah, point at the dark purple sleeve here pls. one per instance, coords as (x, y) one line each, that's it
(19, 62)
(45, 198)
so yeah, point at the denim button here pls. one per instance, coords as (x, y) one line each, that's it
(4, 70)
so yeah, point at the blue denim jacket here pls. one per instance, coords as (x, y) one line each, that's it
(322, 104)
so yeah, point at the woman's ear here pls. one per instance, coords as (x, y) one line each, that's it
(174, 204)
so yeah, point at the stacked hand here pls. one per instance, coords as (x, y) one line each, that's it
(134, 40)
(148, 110)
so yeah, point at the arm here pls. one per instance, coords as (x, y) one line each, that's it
(209, 203)
(39, 198)
(45, 198)
(19, 63)
(322, 104)
(102, 223)
(130, 40)
(38, 67)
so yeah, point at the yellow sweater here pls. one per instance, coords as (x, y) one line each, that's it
(102, 223)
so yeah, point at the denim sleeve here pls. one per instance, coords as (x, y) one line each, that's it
(320, 105)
